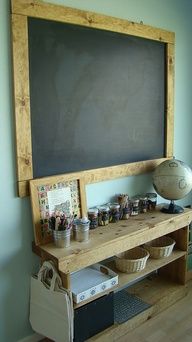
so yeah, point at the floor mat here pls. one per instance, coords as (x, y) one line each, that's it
(127, 305)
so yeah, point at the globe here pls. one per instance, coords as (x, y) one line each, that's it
(172, 179)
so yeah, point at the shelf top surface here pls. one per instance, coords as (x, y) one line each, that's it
(114, 238)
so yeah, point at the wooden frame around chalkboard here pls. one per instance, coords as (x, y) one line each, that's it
(21, 10)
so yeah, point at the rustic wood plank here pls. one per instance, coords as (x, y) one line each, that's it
(102, 174)
(177, 271)
(66, 280)
(151, 266)
(22, 97)
(126, 279)
(115, 238)
(23, 188)
(36, 215)
(83, 200)
(170, 53)
(173, 324)
(43, 10)
(97, 175)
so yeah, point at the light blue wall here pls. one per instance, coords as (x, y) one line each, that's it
(16, 259)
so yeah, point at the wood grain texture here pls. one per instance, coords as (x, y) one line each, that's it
(83, 200)
(115, 238)
(97, 175)
(105, 173)
(170, 53)
(173, 324)
(70, 15)
(151, 266)
(22, 97)
(160, 293)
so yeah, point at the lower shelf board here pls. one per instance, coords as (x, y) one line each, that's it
(125, 279)
(157, 292)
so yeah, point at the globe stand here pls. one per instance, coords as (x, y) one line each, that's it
(172, 208)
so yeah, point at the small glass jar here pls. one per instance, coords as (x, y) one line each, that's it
(151, 200)
(126, 212)
(103, 215)
(143, 204)
(134, 206)
(123, 200)
(114, 212)
(93, 217)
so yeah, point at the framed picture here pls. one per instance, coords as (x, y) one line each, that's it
(56, 193)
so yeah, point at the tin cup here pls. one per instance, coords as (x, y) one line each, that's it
(82, 230)
(76, 222)
(62, 238)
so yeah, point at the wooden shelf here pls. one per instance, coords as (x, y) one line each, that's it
(161, 289)
(151, 266)
(115, 238)
(126, 279)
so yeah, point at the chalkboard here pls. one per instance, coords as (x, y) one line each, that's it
(97, 97)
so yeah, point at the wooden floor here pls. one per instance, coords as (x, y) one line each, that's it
(171, 325)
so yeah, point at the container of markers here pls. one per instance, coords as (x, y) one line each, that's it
(62, 238)
(61, 225)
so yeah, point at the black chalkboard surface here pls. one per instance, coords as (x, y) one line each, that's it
(97, 97)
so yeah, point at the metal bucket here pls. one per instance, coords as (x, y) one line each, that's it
(62, 238)
(82, 232)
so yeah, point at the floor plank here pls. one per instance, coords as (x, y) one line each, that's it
(172, 325)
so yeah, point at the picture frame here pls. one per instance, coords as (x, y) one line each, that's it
(64, 193)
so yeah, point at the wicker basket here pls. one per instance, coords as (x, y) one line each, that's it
(160, 247)
(132, 261)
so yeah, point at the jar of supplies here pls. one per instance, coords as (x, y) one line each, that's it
(126, 212)
(123, 200)
(134, 206)
(143, 204)
(103, 215)
(152, 200)
(93, 217)
(114, 212)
